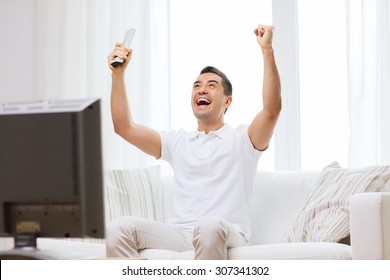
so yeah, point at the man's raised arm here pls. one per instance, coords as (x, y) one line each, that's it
(261, 129)
(144, 138)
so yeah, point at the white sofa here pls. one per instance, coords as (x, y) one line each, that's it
(277, 196)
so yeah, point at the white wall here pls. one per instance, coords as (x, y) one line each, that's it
(17, 50)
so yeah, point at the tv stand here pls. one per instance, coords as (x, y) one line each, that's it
(26, 249)
(26, 253)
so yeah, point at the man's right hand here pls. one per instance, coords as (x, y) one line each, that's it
(122, 52)
(264, 36)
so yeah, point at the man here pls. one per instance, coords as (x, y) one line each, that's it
(214, 166)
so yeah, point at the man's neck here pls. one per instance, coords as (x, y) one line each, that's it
(207, 127)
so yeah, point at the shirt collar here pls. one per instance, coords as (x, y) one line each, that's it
(221, 133)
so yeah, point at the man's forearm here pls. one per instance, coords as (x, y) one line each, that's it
(120, 110)
(271, 84)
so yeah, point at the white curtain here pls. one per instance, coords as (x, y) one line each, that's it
(384, 79)
(368, 76)
(73, 39)
(288, 131)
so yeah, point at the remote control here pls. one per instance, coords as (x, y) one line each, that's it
(127, 41)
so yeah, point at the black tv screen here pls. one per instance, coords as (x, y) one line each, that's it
(51, 169)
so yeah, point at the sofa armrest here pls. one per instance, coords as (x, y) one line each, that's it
(370, 226)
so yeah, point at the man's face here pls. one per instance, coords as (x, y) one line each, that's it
(208, 98)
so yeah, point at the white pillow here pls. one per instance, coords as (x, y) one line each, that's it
(324, 216)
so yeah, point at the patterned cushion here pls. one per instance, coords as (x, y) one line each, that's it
(324, 216)
(133, 192)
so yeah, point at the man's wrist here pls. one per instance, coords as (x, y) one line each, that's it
(118, 76)
(267, 49)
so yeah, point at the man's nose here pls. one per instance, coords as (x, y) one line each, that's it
(202, 90)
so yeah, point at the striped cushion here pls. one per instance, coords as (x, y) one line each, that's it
(133, 192)
(324, 216)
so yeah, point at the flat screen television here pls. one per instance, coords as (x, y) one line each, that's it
(51, 169)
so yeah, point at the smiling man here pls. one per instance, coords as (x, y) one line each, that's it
(212, 85)
(214, 166)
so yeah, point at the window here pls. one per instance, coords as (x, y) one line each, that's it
(323, 83)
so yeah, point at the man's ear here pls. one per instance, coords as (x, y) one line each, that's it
(228, 101)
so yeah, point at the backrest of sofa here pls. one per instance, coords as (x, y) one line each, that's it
(276, 198)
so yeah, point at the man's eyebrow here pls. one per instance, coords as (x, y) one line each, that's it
(209, 81)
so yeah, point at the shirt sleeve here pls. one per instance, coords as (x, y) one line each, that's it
(253, 152)
(165, 147)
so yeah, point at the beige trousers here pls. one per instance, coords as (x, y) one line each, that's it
(210, 239)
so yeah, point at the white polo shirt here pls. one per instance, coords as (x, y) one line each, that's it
(214, 175)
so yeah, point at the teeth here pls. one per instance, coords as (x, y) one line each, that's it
(201, 100)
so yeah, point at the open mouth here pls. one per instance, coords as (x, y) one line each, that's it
(203, 101)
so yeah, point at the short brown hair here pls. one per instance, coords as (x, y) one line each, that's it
(226, 84)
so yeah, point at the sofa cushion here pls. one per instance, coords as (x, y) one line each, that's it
(133, 192)
(276, 197)
(292, 251)
(324, 216)
(278, 251)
